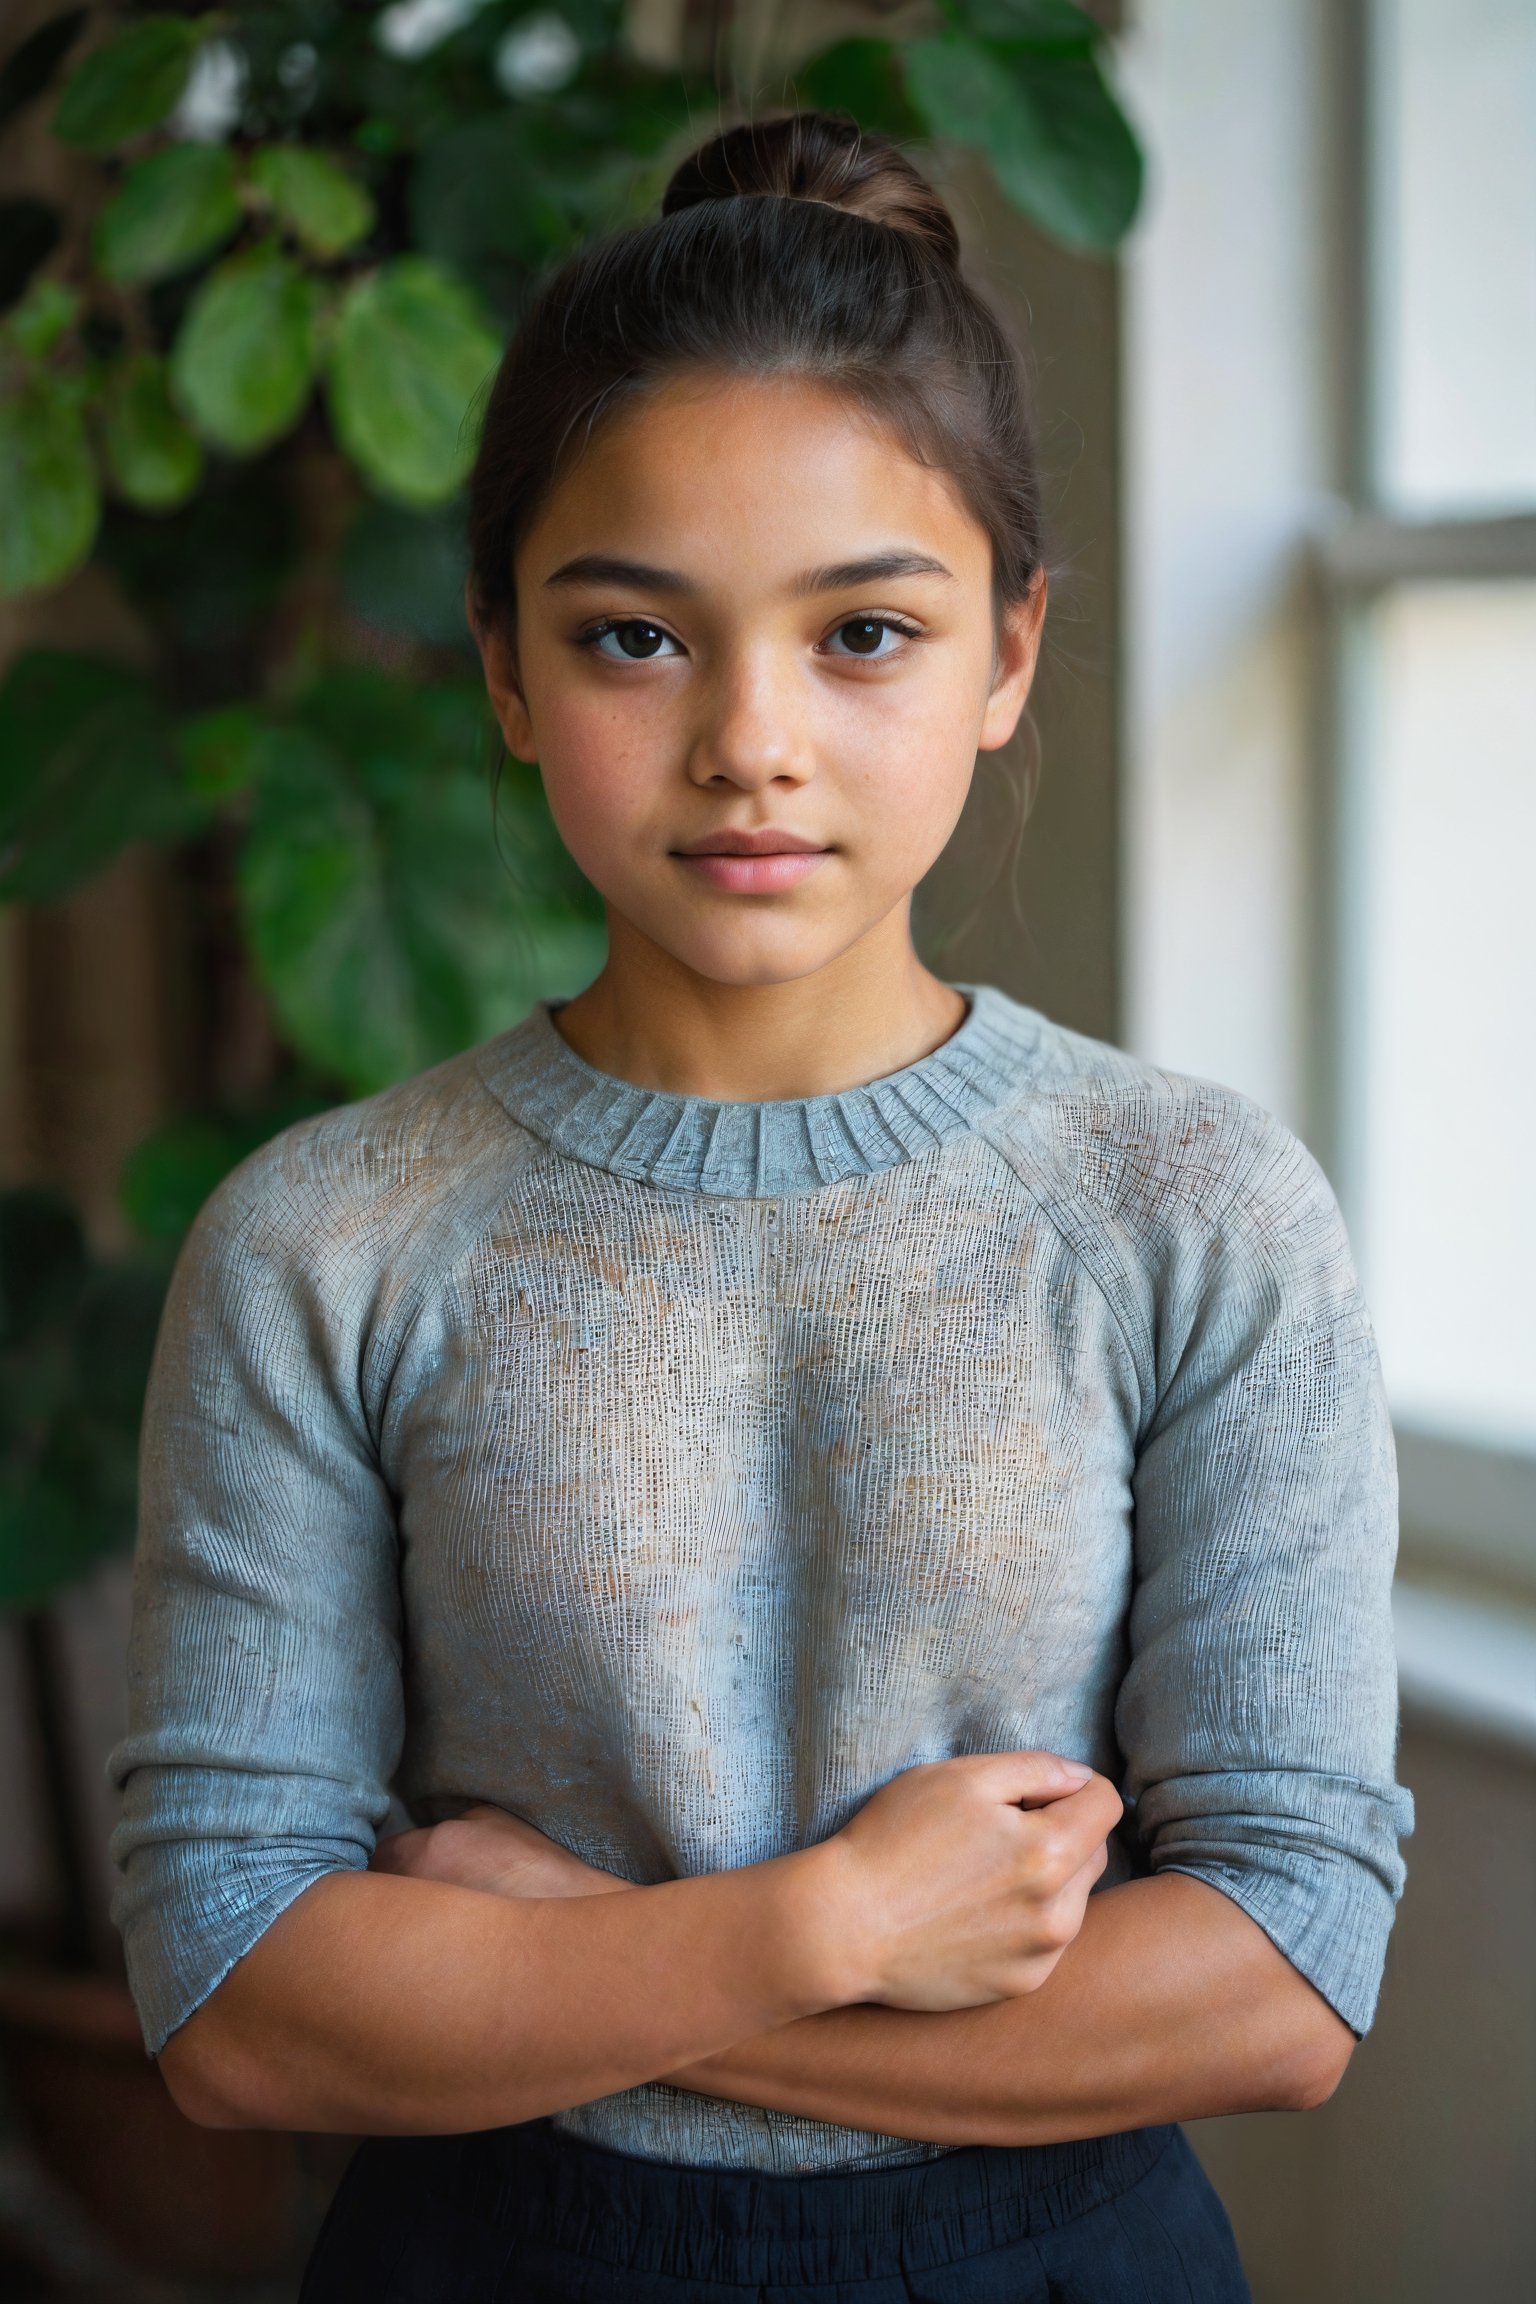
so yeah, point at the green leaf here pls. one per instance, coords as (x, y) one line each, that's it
(244, 360)
(48, 487)
(208, 578)
(1057, 26)
(86, 766)
(166, 1179)
(384, 923)
(481, 206)
(411, 354)
(173, 209)
(45, 1540)
(42, 1262)
(28, 69)
(75, 1344)
(119, 1315)
(404, 571)
(378, 137)
(319, 202)
(127, 87)
(43, 319)
(862, 78)
(220, 751)
(1056, 140)
(152, 458)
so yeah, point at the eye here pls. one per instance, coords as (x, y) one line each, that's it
(631, 641)
(867, 636)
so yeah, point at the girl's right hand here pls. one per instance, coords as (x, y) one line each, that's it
(964, 1881)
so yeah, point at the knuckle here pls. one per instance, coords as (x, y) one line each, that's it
(1031, 1972)
(1051, 1848)
(1053, 1931)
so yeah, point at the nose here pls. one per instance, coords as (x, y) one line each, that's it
(755, 731)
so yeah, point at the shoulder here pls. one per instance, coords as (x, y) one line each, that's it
(391, 1183)
(1194, 1210)
(1154, 1152)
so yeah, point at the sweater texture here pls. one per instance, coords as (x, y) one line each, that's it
(673, 1473)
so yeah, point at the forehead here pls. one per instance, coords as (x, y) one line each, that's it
(730, 477)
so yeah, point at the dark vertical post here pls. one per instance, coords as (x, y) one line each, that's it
(47, 1688)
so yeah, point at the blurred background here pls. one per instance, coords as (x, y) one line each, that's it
(1276, 268)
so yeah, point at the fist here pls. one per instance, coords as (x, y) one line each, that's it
(485, 1848)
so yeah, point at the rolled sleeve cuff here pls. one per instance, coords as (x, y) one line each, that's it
(1312, 1859)
(193, 1898)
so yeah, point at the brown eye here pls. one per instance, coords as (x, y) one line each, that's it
(634, 639)
(862, 637)
(867, 636)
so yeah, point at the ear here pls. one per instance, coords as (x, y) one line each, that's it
(1018, 652)
(498, 659)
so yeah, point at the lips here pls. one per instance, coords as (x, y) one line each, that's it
(764, 862)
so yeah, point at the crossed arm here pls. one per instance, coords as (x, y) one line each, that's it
(480, 1975)
(1168, 2003)
(1171, 2004)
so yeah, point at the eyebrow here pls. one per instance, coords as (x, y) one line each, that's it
(636, 575)
(841, 576)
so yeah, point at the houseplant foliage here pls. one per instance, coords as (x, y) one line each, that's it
(240, 375)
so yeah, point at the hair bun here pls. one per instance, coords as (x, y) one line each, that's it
(821, 156)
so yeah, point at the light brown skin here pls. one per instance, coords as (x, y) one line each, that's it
(1168, 2004)
(937, 1969)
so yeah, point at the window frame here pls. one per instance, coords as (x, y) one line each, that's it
(1467, 1508)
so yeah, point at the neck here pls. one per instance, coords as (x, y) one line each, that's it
(650, 1020)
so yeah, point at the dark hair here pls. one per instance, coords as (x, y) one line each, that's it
(798, 246)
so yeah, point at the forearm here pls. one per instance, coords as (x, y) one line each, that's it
(385, 2005)
(1170, 2005)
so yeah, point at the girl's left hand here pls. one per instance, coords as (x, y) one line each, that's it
(485, 1848)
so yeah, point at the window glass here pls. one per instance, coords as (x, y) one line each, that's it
(1454, 238)
(1444, 928)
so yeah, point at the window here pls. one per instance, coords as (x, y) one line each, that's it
(1452, 221)
(1434, 617)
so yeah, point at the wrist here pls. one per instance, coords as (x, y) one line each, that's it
(824, 1937)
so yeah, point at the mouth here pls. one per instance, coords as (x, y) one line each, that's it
(760, 863)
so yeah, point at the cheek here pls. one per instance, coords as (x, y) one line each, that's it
(604, 764)
(908, 806)
(907, 757)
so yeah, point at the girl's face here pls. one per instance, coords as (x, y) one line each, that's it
(756, 655)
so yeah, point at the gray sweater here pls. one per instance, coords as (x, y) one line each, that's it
(673, 1473)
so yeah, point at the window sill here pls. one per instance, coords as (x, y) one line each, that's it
(1468, 1664)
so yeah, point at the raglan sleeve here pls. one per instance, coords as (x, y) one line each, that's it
(1258, 1714)
(265, 1711)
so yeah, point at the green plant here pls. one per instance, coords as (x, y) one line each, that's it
(240, 375)
(75, 1337)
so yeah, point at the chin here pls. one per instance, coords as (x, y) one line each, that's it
(752, 962)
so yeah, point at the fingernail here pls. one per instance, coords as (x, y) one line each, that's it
(1075, 1770)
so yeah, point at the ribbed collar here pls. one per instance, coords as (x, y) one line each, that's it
(761, 1151)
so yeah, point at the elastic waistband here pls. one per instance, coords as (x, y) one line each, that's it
(733, 2225)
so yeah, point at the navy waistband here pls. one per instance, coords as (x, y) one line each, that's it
(727, 2224)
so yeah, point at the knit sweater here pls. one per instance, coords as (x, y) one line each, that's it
(673, 1473)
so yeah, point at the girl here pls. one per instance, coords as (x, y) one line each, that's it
(766, 1455)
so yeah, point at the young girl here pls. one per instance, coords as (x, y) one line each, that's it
(767, 1456)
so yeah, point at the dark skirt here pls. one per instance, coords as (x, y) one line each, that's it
(527, 2216)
